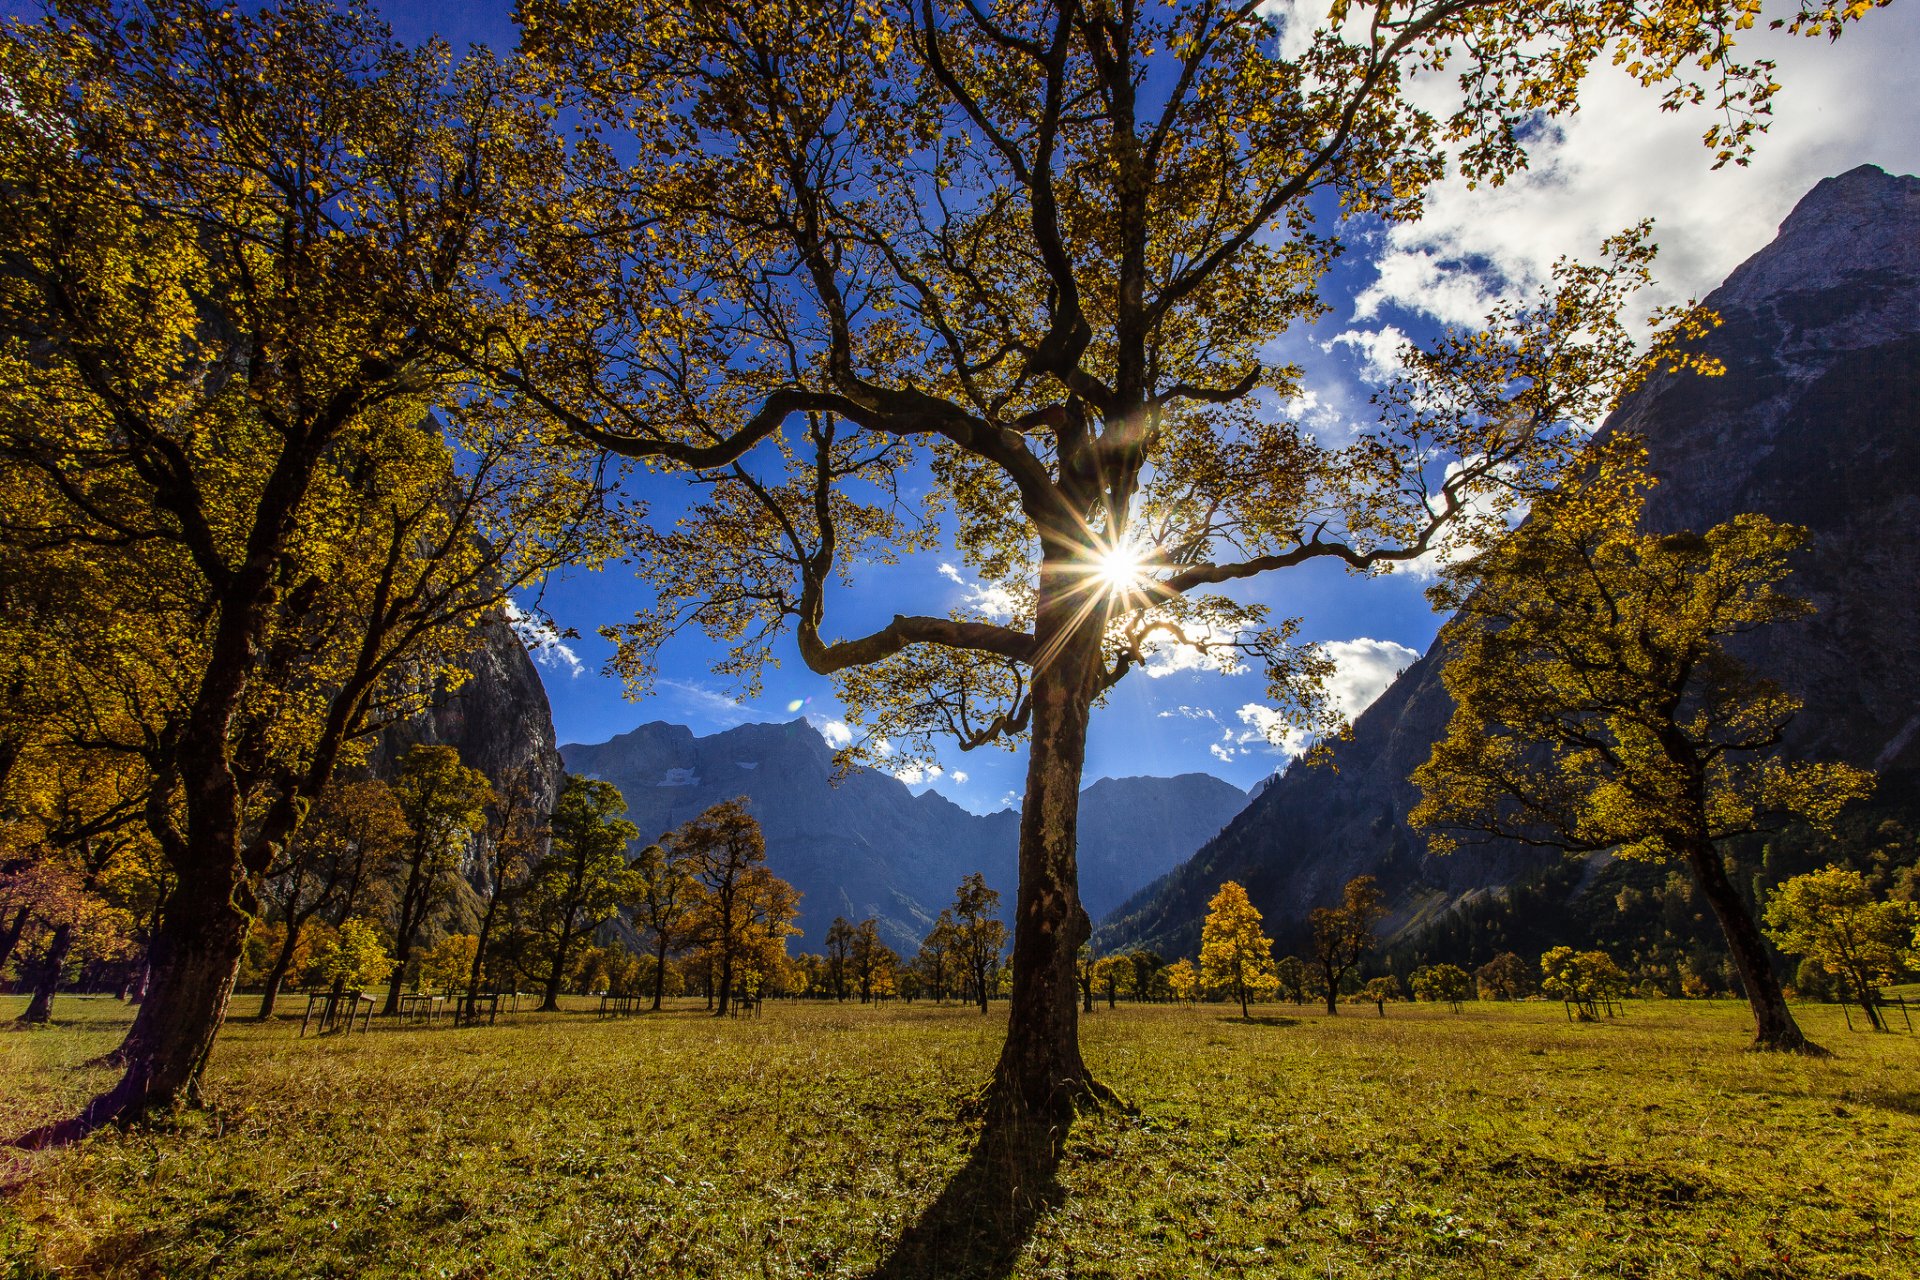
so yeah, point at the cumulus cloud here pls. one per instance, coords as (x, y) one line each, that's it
(1168, 657)
(1621, 159)
(542, 641)
(1362, 670)
(959, 776)
(915, 774)
(834, 731)
(994, 603)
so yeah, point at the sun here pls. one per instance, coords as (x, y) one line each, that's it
(1119, 569)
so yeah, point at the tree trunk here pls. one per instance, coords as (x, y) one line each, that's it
(1333, 994)
(1040, 1074)
(480, 951)
(550, 1001)
(726, 983)
(1774, 1027)
(47, 977)
(277, 975)
(192, 961)
(659, 972)
(10, 935)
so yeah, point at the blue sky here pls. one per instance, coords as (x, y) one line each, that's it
(1619, 160)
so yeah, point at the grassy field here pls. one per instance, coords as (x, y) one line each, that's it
(809, 1142)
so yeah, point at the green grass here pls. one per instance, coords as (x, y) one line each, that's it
(1499, 1142)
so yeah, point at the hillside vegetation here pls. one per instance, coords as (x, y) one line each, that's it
(818, 1140)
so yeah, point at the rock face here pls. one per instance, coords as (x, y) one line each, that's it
(499, 718)
(1817, 421)
(870, 847)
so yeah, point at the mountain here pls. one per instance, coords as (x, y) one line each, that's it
(868, 846)
(1816, 421)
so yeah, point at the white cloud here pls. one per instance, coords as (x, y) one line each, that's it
(1166, 657)
(1621, 159)
(915, 774)
(996, 604)
(1378, 349)
(1221, 753)
(959, 776)
(1362, 670)
(542, 641)
(834, 731)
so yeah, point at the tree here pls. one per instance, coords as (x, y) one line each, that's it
(978, 936)
(664, 899)
(513, 839)
(1112, 974)
(355, 958)
(745, 911)
(840, 935)
(1378, 991)
(1343, 935)
(445, 804)
(235, 236)
(1291, 974)
(449, 962)
(1831, 917)
(1505, 977)
(937, 961)
(1442, 984)
(1582, 979)
(1182, 981)
(584, 880)
(1235, 956)
(1596, 705)
(871, 960)
(1038, 249)
(357, 832)
(1147, 966)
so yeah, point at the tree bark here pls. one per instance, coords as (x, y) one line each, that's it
(1040, 1074)
(550, 1001)
(46, 978)
(659, 971)
(277, 975)
(1774, 1027)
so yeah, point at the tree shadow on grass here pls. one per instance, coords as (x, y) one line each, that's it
(1272, 1020)
(976, 1227)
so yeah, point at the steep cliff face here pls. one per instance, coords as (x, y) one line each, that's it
(1817, 421)
(870, 847)
(499, 718)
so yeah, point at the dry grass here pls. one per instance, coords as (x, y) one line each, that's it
(1498, 1142)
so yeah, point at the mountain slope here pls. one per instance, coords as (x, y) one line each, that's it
(1816, 421)
(870, 847)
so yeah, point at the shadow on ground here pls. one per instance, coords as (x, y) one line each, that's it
(1264, 1021)
(984, 1215)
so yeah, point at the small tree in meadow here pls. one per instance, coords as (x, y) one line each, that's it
(1235, 955)
(449, 962)
(1830, 917)
(1343, 935)
(1379, 991)
(356, 958)
(1292, 975)
(1505, 977)
(1442, 984)
(1112, 975)
(1182, 981)
(1582, 979)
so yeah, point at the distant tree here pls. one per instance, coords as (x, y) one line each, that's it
(1146, 969)
(1182, 981)
(872, 961)
(979, 937)
(665, 899)
(1343, 935)
(1291, 973)
(1113, 974)
(840, 935)
(745, 911)
(1442, 984)
(356, 958)
(513, 840)
(1582, 979)
(448, 962)
(1378, 991)
(1597, 706)
(1235, 955)
(1505, 977)
(355, 835)
(584, 880)
(1832, 918)
(445, 803)
(938, 961)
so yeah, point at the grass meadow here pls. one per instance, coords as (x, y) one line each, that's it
(823, 1140)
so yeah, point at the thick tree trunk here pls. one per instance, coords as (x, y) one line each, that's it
(659, 972)
(550, 1001)
(1040, 1073)
(726, 983)
(46, 979)
(192, 961)
(1774, 1027)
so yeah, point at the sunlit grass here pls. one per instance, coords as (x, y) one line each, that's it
(1499, 1142)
